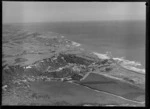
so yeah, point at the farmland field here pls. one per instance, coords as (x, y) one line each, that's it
(116, 87)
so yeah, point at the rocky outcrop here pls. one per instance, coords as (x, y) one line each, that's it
(59, 67)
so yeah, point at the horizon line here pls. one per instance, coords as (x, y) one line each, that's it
(70, 21)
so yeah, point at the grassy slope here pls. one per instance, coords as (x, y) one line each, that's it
(58, 92)
(113, 86)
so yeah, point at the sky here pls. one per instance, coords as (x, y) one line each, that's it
(26, 12)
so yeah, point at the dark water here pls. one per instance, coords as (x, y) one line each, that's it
(121, 38)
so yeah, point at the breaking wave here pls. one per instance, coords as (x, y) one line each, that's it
(131, 65)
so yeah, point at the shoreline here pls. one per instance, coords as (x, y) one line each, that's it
(126, 64)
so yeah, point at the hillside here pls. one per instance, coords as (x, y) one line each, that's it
(51, 64)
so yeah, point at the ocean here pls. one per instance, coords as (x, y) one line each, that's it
(120, 38)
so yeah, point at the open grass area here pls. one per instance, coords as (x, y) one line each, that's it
(99, 82)
(75, 94)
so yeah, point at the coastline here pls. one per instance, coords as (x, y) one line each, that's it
(127, 64)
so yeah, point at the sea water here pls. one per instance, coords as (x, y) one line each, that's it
(124, 40)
